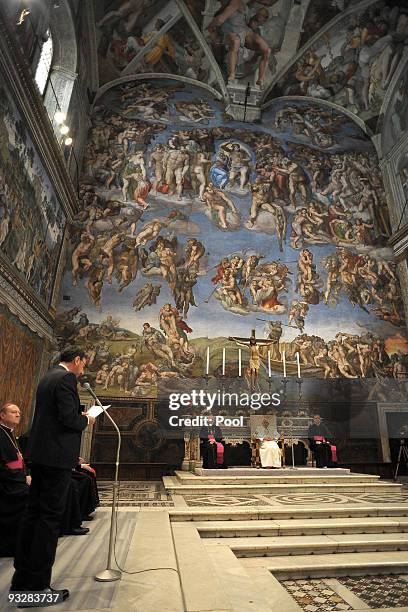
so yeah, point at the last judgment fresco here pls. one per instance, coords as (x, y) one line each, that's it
(195, 228)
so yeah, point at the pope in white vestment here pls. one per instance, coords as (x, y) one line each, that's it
(270, 454)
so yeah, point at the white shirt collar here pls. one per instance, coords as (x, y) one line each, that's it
(63, 366)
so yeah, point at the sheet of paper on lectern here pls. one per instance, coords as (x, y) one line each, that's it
(96, 410)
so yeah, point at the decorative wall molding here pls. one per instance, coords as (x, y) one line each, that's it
(22, 85)
(25, 309)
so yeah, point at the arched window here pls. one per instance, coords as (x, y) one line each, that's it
(44, 64)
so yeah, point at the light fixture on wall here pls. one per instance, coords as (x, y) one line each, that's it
(64, 129)
(59, 117)
(23, 15)
(68, 141)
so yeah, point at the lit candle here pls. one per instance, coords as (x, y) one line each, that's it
(269, 364)
(284, 364)
(207, 369)
(239, 362)
(298, 363)
(223, 361)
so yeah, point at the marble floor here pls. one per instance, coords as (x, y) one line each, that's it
(136, 493)
(180, 553)
(295, 499)
(376, 592)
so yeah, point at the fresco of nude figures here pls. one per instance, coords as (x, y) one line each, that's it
(31, 219)
(195, 228)
(143, 36)
(352, 65)
(255, 41)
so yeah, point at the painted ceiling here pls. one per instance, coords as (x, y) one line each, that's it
(343, 51)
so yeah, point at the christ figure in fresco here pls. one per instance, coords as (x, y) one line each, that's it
(254, 345)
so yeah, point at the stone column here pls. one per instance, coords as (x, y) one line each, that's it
(185, 466)
(196, 461)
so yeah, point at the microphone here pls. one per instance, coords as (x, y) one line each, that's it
(88, 387)
(110, 574)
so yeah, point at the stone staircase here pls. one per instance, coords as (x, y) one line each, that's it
(294, 541)
(299, 480)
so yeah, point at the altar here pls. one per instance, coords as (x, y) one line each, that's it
(292, 430)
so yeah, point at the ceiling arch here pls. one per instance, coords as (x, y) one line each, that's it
(352, 61)
(336, 50)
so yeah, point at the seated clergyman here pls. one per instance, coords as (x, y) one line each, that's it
(14, 482)
(319, 439)
(212, 445)
(269, 452)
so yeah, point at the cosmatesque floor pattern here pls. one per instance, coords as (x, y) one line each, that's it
(295, 499)
(315, 595)
(379, 591)
(135, 493)
(224, 500)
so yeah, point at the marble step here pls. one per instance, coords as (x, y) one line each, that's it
(325, 478)
(257, 472)
(245, 592)
(261, 513)
(332, 566)
(292, 527)
(173, 487)
(313, 545)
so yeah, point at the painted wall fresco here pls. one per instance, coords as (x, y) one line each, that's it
(148, 37)
(141, 37)
(319, 13)
(195, 227)
(246, 36)
(396, 118)
(353, 62)
(124, 28)
(31, 219)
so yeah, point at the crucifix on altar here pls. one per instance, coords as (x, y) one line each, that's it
(254, 344)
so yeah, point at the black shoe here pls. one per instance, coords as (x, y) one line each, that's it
(62, 594)
(88, 517)
(78, 531)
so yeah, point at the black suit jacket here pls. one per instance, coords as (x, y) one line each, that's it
(55, 436)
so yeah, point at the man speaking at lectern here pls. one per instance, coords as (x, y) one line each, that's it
(53, 449)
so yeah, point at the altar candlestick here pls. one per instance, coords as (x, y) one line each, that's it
(284, 364)
(223, 361)
(207, 369)
(239, 362)
(269, 364)
(298, 364)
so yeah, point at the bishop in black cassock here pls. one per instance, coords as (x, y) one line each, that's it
(211, 437)
(13, 483)
(321, 450)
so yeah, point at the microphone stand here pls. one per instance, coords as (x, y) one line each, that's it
(110, 574)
